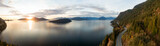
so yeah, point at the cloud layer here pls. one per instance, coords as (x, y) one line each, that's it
(3, 5)
(83, 10)
(63, 8)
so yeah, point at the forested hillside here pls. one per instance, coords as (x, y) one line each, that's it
(143, 24)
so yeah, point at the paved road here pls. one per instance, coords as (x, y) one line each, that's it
(118, 40)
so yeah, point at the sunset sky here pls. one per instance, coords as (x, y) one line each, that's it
(65, 8)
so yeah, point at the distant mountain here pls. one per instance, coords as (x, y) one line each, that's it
(34, 18)
(61, 21)
(106, 18)
(84, 18)
(92, 18)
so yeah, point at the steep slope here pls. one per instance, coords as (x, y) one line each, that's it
(2, 27)
(143, 23)
(143, 26)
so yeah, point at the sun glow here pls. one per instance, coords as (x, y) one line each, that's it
(29, 18)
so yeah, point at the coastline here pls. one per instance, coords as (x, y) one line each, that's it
(3, 26)
(110, 40)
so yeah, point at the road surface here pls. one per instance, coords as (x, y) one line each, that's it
(118, 40)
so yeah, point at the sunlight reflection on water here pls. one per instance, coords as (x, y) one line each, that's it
(30, 22)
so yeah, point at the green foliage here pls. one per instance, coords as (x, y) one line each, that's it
(144, 19)
(111, 39)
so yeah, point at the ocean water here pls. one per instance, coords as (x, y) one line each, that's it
(44, 33)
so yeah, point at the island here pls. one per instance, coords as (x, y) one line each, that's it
(61, 21)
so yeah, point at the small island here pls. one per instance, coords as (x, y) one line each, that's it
(61, 21)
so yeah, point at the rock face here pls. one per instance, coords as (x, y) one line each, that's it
(61, 21)
(2, 25)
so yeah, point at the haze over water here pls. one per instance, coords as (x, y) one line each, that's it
(75, 33)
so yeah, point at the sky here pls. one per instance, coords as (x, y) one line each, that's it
(65, 8)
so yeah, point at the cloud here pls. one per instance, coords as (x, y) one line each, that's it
(49, 12)
(57, 11)
(94, 7)
(15, 12)
(3, 5)
(82, 9)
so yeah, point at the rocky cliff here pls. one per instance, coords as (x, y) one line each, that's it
(2, 25)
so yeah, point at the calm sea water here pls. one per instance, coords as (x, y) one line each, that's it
(44, 33)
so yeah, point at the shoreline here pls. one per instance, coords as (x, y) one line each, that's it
(110, 40)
